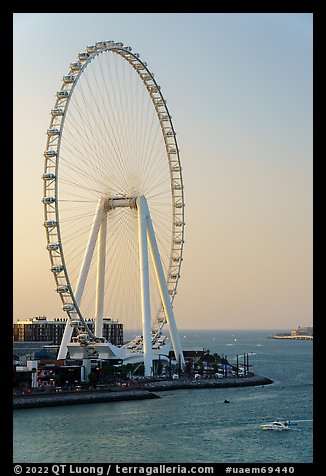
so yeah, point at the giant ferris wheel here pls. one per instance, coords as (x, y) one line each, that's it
(113, 198)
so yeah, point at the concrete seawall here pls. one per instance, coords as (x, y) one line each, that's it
(145, 391)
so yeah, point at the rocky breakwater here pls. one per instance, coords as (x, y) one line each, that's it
(144, 390)
(84, 396)
(183, 383)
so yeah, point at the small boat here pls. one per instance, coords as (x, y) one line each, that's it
(277, 425)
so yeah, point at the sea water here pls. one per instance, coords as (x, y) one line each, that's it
(188, 426)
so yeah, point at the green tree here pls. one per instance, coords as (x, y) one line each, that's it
(200, 367)
(189, 367)
(92, 379)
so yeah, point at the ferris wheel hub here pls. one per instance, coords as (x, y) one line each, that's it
(122, 202)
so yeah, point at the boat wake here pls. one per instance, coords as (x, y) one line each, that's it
(280, 425)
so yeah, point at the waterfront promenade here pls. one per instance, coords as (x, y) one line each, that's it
(145, 390)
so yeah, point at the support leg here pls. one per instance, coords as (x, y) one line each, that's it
(163, 290)
(99, 299)
(83, 275)
(144, 286)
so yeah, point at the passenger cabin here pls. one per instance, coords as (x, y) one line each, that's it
(170, 133)
(69, 308)
(154, 88)
(83, 56)
(53, 247)
(57, 112)
(177, 259)
(48, 176)
(50, 223)
(83, 337)
(48, 200)
(57, 268)
(76, 65)
(49, 153)
(100, 44)
(68, 78)
(63, 94)
(53, 132)
(62, 289)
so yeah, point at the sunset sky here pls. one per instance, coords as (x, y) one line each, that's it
(239, 89)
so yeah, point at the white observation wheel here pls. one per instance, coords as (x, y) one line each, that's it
(111, 146)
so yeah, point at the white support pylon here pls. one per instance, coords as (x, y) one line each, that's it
(144, 285)
(165, 298)
(99, 299)
(83, 274)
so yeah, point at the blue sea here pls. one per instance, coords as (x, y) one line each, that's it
(188, 426)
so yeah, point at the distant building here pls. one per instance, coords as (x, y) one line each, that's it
(40, 329)
(27, 350)
(303, 331)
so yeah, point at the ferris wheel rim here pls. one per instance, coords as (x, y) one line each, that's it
(52, 160)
